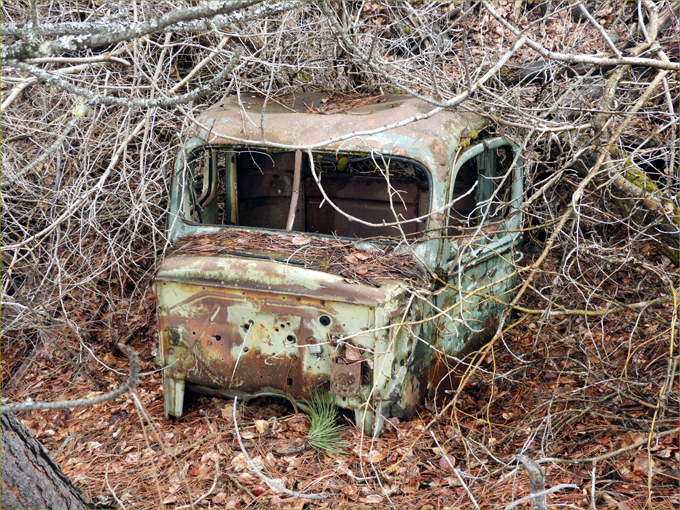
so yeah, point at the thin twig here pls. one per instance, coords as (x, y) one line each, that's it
(108, 485)
(210, 491)
(552, 490)
(273, 484)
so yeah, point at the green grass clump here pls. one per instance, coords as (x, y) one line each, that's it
(325, 433)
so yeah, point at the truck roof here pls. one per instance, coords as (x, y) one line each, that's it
(309, 119)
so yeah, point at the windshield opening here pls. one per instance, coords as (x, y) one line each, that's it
(277, 190)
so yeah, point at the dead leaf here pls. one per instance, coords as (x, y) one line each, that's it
(213, 455)
(349, 490)
(300, 241)
(630, 438)
(262, 426)
(227, 412)
(219, 497)
(118, 417)
(361, 270)
(352, 353)
(200, 433)
(351, 259)
(108, 359)
(170, 499)
(627, 475)
(374, 456)
(296, 504)
(292, 504)
(362, 256)
(641, 465)
(447, 462)
(664, 454)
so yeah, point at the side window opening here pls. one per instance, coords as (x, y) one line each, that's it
(482, 190)
(255, 189)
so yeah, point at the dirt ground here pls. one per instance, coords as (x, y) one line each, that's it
(591, 400)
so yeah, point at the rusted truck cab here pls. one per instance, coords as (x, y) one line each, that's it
(314, 249)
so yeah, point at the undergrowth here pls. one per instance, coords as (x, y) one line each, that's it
(325, 432)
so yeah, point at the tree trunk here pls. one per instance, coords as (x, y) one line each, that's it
(30, 478)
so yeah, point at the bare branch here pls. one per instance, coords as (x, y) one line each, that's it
(583, 59)
(129, 385)
(53, 148)
(135, 103)
(110, 35)
(272, 483)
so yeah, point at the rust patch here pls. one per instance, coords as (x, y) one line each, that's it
(251, 276)
(345, 379)
(255, 342)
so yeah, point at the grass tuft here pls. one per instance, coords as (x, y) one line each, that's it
(325, 433)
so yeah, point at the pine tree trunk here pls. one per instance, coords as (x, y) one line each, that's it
(30, 478)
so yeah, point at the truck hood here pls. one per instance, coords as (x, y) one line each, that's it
(268, 275)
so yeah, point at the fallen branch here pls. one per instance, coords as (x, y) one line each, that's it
(29, 405)
(210, 491)
(53, 148)
(609, 455)
(162, 102)
(266, 479)
(536, 484)
(108, 486)
(456, 471)
(544, 493)
(106, 35)
(596, 313)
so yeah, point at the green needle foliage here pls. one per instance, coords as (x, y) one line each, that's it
(325, 433)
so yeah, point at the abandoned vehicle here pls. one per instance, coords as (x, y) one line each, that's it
(315, 249)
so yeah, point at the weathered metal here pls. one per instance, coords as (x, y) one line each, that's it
(249, 315)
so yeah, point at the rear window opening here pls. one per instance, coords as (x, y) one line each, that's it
(253, 188)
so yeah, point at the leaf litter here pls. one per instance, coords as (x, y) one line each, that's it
(330, 255)
(563, 405)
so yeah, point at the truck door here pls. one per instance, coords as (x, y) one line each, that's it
(483, 233)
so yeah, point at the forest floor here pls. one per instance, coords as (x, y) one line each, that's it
(593, 401)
